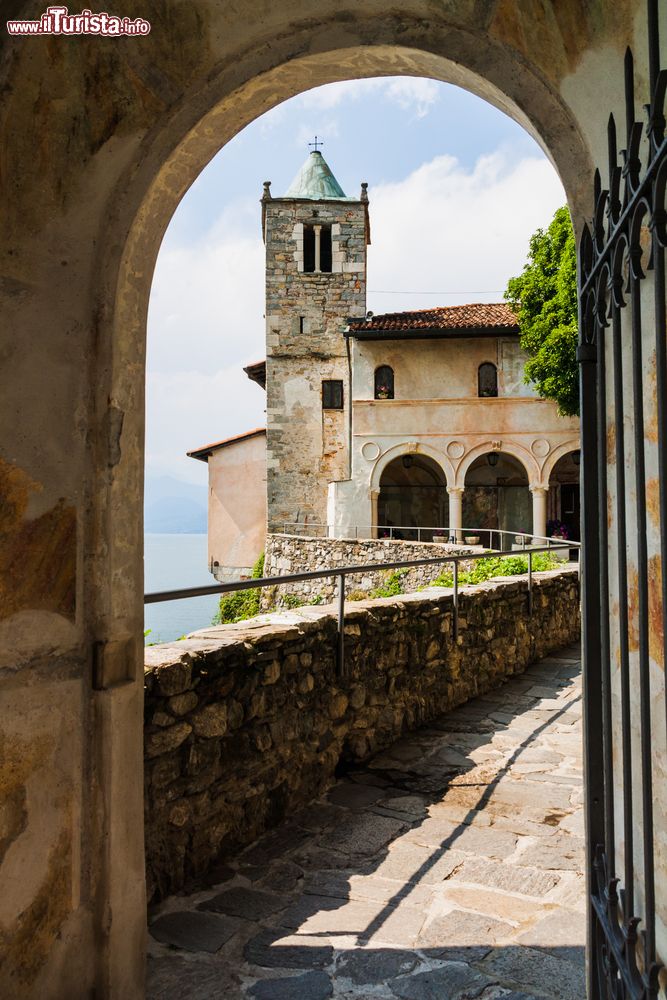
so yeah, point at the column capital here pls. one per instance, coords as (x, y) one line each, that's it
(374, 493)
(538, 490)
(455, 491)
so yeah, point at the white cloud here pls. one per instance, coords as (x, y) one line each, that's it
(206, 306)
(413, 91)
(186, 410)
(331, 95)
(447, 229)
(405, 91)
(205, 323)
(307, 129)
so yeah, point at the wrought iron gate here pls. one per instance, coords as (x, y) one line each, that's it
(621, 253)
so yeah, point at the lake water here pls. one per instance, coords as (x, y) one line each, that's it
(171, 562)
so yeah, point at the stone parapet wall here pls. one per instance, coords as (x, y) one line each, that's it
(286, 554)
(246, 723)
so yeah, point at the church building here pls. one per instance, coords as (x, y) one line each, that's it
(416, 425)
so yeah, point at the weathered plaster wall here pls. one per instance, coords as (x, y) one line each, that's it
(100, 139)
(244, 723)
(289, 554)
(438, 369)
(307, 446)
(236, 505)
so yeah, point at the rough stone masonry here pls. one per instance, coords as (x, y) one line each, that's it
(286, 554)
(244, 723)
(307, 445)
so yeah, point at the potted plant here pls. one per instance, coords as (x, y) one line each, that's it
(382, 392)
(439, 536)
(471, 539)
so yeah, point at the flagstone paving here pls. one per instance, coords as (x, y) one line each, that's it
(449, 867)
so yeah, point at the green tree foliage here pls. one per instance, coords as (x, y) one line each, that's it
(544, 298)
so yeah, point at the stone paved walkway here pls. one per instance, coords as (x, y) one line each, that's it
(449, 867)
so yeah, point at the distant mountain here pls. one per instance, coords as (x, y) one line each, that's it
(174, 506)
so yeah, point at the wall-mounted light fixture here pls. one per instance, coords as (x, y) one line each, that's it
(492, 458)
(407, 461)
(576, 457)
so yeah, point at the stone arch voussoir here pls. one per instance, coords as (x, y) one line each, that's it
(411, 448)
(554, 457)
(517, 451)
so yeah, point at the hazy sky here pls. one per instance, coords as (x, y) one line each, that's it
(456, 189)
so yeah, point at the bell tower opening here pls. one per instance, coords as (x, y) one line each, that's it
(317, 257)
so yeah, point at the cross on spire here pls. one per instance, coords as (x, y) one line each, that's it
(318, 142)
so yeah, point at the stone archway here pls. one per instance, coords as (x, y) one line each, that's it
(497, 498)
(563, 502)
(413, 498)
(123, 131)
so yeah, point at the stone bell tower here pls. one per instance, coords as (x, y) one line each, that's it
(316, 239)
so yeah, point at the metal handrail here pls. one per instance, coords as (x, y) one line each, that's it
(450, 532)
(342, 572)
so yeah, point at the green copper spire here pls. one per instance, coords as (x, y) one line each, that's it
(315, 180)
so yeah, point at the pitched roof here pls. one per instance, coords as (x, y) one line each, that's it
(206, 450)
(477, 318)
(315, 180)
(256, 372)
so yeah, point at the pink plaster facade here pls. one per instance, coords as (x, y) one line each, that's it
(236, 503)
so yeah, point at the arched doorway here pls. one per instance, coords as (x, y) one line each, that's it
(106, 197)
(413, 499)
(563, 507)
(496, 496)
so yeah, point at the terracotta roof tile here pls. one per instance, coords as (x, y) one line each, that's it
(206, 449)
(475, 316)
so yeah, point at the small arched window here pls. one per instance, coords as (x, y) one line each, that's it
(487, 380)
(384, 382)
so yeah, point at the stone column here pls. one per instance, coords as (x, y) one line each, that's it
(456, 511)
(375, 497)
(539, 510)
(318, 237)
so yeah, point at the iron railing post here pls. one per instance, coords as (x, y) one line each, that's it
(456, 600)
(340, 655)
(530, 583)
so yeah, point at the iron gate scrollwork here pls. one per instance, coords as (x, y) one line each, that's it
(625, 242)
